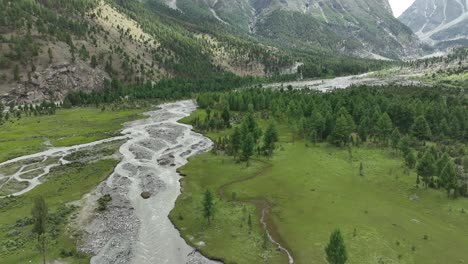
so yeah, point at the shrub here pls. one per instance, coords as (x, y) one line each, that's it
(103, 201)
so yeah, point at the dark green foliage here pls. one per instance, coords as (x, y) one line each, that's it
(269, 139)
(426, 167)
(248, 145)
(421, 129)
(410, 159)
(166, 89)
(208, 206)
(40, 216)
(384, 128)
(236, 142)
(449, 177)
(395, 138)
(342, 131)
(226, 116)
(380, 112)
(336, 249)
(103, 201)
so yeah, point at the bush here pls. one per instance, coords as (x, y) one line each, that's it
(24, 222)
(103, 201)
(65, 253)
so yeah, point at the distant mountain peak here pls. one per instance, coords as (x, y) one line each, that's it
(441, 23)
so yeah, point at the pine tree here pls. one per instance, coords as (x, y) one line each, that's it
(342, 131)
(226, 116)
(395, 138)
(420, 129)
(336, 249)
(250, 126)
(426, 167)
(363, 129)
(248, 146)
(270, 138)
(410, 159)
(208, 206)
(449, 177)
(236, 142)
(39, 215)
(384, 127)
(404, 145)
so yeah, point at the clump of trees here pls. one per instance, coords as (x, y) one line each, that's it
(407, 119)
(17, 111)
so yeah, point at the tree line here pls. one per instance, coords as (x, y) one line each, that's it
(17, 111)
(428, 127)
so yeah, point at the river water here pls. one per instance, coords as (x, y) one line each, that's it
(132, 229)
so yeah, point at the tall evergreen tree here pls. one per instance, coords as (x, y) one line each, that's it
(39, 214)
(248, 146)
(342, 131)
(208, 206)
(426, 167)
(270, 138)
(384, 128)
(410, 159)
(336, 249)
(236, 142)
(449, 177)
(395, 138)
(421, 129)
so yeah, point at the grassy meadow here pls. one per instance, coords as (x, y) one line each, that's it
(67, 127)
(64, 185)
(312, 191)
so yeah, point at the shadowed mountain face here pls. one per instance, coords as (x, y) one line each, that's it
(364, 28)
(442, 23)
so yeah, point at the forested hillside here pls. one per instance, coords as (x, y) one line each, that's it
(52, 47)
(362, 28)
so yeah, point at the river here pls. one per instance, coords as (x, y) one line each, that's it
(132, 229)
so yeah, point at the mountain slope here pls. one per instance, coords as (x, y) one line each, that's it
(365, 28)
(51, 47)
(442, 23)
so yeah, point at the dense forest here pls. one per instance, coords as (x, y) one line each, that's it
(428, 127)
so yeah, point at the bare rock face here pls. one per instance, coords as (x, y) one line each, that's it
(56, 81)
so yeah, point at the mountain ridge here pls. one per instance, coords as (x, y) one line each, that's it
(353, 27)
(440, 23)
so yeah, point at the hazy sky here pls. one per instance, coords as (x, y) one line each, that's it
(399, 6)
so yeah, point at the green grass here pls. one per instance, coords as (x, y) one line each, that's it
(67, 127)
(449, 80)
(64, 185)
(314, 190)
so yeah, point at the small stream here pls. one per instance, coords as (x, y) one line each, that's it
(270, 237)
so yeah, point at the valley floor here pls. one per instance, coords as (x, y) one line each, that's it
(313, 190)
(63, 186)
